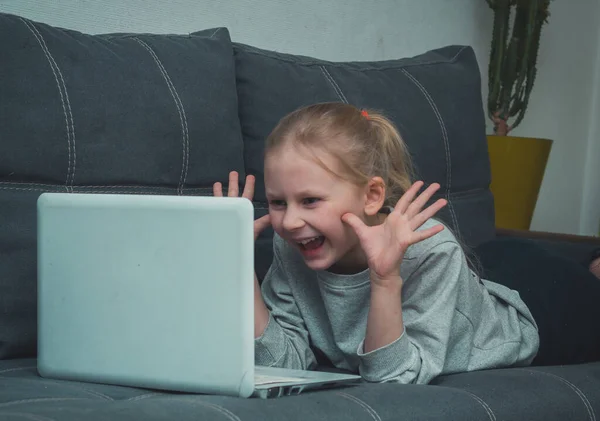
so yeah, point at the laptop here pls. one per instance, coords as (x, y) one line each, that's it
(154, 291)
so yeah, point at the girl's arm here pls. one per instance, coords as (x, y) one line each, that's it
(283, 339)
(414, 352)
(280, 336)
(387, 352)
(384, 322)
(261, 313)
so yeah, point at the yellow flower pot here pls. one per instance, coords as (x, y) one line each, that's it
(518, 165)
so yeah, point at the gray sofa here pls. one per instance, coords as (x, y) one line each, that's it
(172, 114)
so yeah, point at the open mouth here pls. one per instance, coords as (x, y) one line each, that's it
(311, 243)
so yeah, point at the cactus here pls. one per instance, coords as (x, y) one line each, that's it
(513, 57)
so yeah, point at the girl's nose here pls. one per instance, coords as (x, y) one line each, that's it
(292, 220)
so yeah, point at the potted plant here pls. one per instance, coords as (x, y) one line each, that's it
(517, 163)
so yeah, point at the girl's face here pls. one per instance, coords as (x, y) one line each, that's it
(306, 203)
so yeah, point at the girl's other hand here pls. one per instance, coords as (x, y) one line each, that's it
(261, 313)
(385, 244)
(233, 191)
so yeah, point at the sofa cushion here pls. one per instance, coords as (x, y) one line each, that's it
(533, 394)
(136, 113)
(434, 99)
(561, 294)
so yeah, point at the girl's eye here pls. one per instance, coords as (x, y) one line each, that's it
(310, 200)
(277, 203)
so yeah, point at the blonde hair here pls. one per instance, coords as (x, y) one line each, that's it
(366, 143)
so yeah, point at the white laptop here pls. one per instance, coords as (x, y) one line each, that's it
(154, 292)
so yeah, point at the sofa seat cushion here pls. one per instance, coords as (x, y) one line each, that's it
(134, 113)
(542, 393)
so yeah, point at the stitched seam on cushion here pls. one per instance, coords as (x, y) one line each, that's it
(70, 127)
(28, 416)
(446, 144)
(65, 384)
(456, 195)
(72, 157)
(141, 397)
(218, 408)
(7, 370)
(363, 404)
(453, 59)
(91, 392)
(330, 83)
(36, 400)
(468, 193)
(222, 410)
(483, 404)
(180, 111)
(584, 399)
(335, 83)
(149, 190)
(78, 191)
(335, 86)
(113, 186)
(338, 64)
(76, 386)
(263, 206)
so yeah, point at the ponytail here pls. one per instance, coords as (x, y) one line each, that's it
(394, 158)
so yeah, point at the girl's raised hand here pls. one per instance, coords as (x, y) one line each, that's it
(233, 191)
(261, 313)
(385, 244)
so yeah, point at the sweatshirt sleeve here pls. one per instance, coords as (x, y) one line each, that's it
(284, 343)
(428, 307)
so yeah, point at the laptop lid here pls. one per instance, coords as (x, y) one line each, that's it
(148, 291)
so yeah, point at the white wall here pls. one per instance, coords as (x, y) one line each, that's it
(590, 209)
(560, 107)
(334, 30)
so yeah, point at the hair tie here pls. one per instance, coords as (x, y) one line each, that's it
(365, 114)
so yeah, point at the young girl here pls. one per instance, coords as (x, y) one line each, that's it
(362, 274)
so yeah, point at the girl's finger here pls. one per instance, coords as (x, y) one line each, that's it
(355, 223)
(261, 224)
(416, 206)
(407, 197)
(425, 234)
(233, 189)
(427, 213)
(218, 189)
(249, 187)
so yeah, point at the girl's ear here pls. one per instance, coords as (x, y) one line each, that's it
(374, 196)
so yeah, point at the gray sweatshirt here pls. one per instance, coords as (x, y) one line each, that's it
(453, 320)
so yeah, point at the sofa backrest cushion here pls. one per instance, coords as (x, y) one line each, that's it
(126, 113)
(434, 98)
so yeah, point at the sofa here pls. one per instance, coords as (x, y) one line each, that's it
(174, 113)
